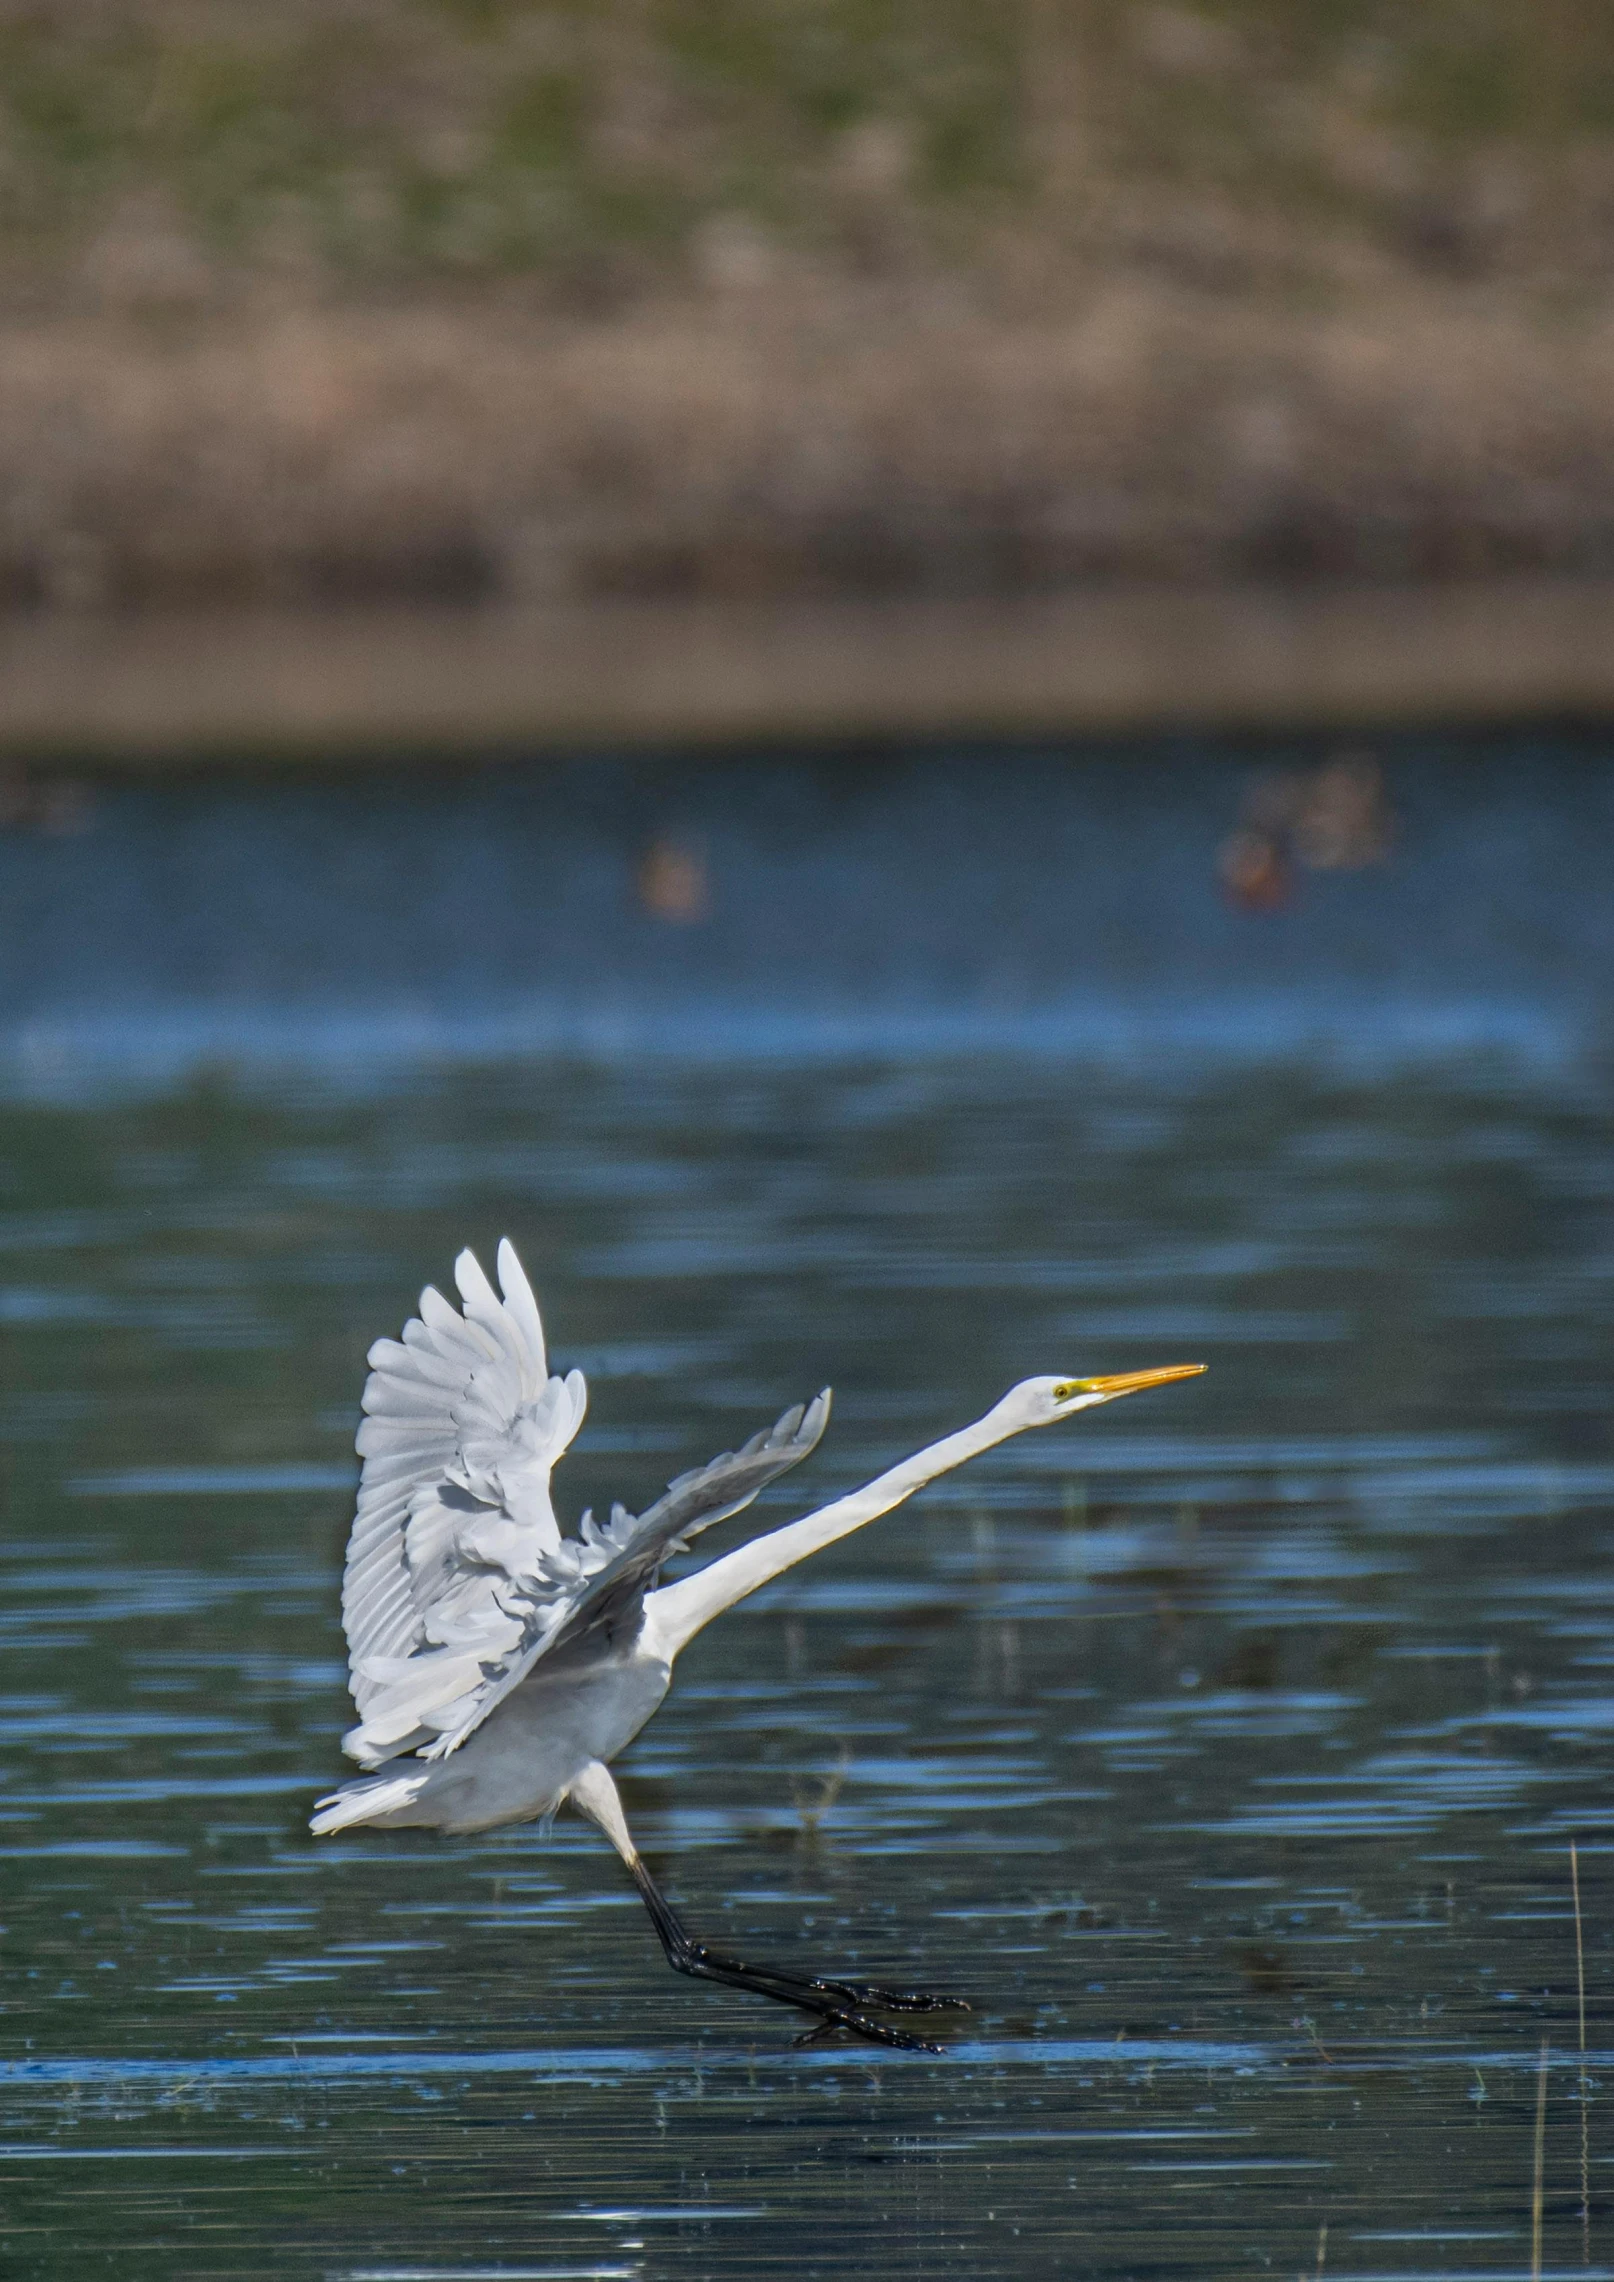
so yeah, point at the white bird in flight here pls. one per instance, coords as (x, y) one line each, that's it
(499, 1667)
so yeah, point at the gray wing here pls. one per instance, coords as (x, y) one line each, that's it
(613, 1567)
(695, 1501)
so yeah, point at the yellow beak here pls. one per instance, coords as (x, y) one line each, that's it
(1134, 1382)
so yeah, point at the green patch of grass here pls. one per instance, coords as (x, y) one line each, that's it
(544, 123)
(462, 133)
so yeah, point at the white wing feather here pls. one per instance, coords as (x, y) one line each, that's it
(451, 1566)
(598, 1580)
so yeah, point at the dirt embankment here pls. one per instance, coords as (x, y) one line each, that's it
(780, 447)
(372, 299)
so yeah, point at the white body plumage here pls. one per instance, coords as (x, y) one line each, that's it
(527, 1757)
(493, 1660)
(499, 1666)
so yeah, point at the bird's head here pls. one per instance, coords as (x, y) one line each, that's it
(1040, 1402)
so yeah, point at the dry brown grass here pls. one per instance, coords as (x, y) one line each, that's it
(466, 296)
(780, 441)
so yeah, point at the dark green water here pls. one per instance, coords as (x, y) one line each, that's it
(1226, 1748)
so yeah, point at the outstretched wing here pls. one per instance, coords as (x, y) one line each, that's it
(458, 1579)
(449, 1570)
(599, 1579)
(695, 1501)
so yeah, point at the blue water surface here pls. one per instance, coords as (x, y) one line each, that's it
(1240, 1751)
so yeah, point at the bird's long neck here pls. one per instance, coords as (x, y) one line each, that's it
(677, 1612)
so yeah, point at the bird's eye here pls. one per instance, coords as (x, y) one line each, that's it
(1064, 1392)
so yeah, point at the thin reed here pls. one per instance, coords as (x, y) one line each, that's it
(1536, 2187)
(1580, 1992)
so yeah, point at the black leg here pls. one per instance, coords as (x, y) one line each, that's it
(838, 2004)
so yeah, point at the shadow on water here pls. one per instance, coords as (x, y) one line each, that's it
(1227, 1748)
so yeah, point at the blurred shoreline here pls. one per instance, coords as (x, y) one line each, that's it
(807, 438)
(709, 373)
(165, 690)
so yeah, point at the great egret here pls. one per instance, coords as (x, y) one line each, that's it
(498, 1666)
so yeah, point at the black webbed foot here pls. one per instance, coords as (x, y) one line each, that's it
(847, 2006)
(843, 2005)
(863, 1994)
(865, 2026)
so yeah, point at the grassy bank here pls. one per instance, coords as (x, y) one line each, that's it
(739, 295)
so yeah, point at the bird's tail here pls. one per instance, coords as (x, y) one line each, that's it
(386, 1800)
